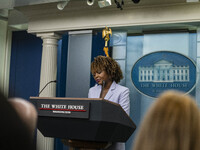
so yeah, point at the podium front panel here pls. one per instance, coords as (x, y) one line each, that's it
(83, 119)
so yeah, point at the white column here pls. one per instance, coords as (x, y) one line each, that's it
(48, 73)
(5, 53)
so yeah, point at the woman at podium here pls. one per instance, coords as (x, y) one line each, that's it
(107, 74)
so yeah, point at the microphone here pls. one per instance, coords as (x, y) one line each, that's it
(103, 85)
(46, 86)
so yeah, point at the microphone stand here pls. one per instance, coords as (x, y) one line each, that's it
(103, 85)
(46, 86)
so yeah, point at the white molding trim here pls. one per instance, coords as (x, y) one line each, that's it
(80, 32)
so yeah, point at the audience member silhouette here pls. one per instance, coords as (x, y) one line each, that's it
(18, 122)
(26, 111)
(172, 123)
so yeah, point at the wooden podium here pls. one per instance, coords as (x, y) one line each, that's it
(83, 121)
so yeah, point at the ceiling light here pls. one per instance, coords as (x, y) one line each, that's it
(90, 2)
(136, 1)
(62, 5)
(104, 3)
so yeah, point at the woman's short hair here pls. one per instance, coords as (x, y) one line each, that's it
(172, 123)
(109, 65)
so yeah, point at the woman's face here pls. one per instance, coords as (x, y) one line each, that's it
(101, 76)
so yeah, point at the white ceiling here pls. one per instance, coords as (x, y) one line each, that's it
(74, 5)
(9, 4)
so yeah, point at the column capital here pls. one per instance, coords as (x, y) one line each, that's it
(45, 35)
(49, 38)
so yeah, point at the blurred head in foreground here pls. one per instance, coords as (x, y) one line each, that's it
(171, 123)
(18, 122)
